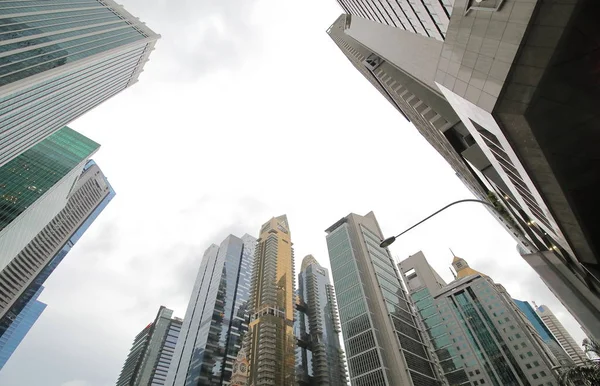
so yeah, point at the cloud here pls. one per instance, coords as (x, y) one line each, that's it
(76, 382)
(199, 36)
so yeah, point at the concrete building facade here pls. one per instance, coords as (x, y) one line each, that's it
(216, 318)
(59, 60)
(565, 339)
(28, 271)
(506, 98)
(384, 345)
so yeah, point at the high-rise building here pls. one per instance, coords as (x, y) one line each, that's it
(319, 327)
(426, 18)
(477, 329)
(151, 353)
(545, 334)
(562, 335)
(272, 300)
(383, 342)
(217, 314)
(495, 96)
(36, 185)
(26, 318)
(61, 59)
(26, 273)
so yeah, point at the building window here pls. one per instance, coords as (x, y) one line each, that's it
(536, 363)
(528, 366)
(529, 354)
(372, 62)
(542, 373)
(535, 376)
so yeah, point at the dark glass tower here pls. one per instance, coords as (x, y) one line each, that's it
(35, 186)
(58, 60)
(151, 352)
(26, 273)
(322, 359)
(216, 319)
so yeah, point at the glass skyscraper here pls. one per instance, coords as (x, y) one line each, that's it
(151, 352)
(11, 339)
(35, 186)
(216, 318)
(383, 342)
(321, 359)
(488, 335)
(545, 334)
(26, 273)
(272, 299)
(59, 59)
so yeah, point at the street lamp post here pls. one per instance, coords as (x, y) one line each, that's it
(387, 242)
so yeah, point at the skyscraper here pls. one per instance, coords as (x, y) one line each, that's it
(384, 345)
(35, 186)
(476, 328)
(216, 318)
(26, 273)
(546, 335)
(272, 340)
(61, 59)
(319, 327)
(495, 97)
(23, 322)
(565, 339)
(151, 352)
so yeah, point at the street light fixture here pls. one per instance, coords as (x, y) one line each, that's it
(390, 240)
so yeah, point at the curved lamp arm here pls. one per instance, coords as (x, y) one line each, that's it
(387, 242)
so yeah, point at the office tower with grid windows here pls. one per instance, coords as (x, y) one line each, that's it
(565, 339)
(384, 345)
(476, 328)
(151, 352)
(216, 318)
(545, 334)
(59, 59)
(35, 187)
(505, 93)
(272, 300)
(10, 340)
(26, 273)
(322, 359)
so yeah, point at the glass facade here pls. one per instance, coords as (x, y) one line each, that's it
(272, 340)
(547, 336)
(357, 326)
(322, 360)
(20, 327)
(33, 178)
(59, 59)
(217, 314)
(55, 232)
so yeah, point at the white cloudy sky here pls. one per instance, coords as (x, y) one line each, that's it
(246, 110)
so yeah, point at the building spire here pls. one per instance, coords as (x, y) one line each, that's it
(462, 268)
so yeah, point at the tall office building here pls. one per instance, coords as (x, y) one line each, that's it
(26, 273)
(35, 186)
(565, 339)
(477, 330)
(216, 318)
(322, 363)
(61, 59)
(272, 300)
(506, 98)
(151, 353)
(384, 345)
(545, 334)
(26, 318)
